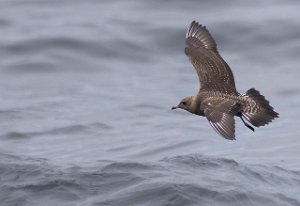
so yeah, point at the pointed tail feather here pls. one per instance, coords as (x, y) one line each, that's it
(258, 111)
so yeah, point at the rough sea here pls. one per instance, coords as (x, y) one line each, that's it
(86, 90)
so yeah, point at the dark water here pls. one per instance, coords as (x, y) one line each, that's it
(86, 89)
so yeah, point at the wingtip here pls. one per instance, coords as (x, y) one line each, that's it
(232, 138)
(195, 23)
(198, 35)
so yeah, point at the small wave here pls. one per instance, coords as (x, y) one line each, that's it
(55, 53)
(199, 161)
(4, 23)
(10, 114)
(15, 135)
(127, 166)
(71, 129)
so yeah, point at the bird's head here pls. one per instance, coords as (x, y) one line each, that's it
(186, 104)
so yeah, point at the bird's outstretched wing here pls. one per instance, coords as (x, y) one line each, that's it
(213, 72)
(223, 123)
(220, 114)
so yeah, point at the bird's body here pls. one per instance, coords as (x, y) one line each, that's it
(218, 99)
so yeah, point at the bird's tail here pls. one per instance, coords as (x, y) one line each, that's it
(257, 111)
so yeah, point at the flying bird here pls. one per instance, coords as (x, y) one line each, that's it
(218, 99)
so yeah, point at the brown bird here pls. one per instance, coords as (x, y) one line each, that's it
(217, 98)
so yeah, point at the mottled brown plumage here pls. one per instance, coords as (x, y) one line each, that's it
(217, 98)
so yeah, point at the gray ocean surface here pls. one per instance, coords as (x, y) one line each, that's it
(86, 90)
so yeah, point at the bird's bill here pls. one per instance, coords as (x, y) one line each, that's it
(174, 107)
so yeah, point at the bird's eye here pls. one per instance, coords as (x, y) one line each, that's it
(184, 103)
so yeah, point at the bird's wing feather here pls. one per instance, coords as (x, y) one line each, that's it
(220, 114)
(213, 72)
(223, 123)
